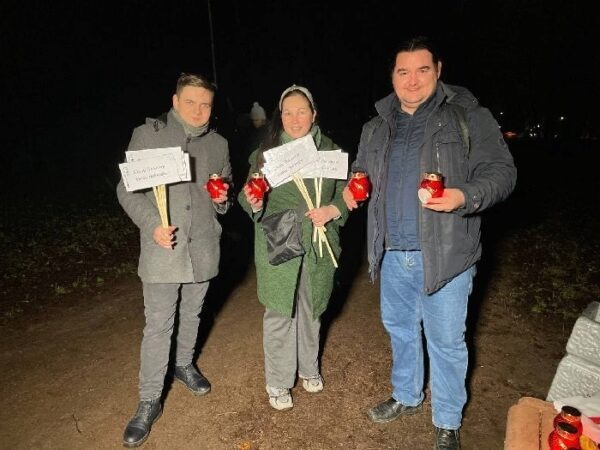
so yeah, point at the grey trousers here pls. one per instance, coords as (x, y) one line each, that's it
(292, 344)
(160, 306)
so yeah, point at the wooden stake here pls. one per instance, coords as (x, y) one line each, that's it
(320, 230)
(160, 195)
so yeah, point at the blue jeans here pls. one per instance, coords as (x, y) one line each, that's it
(405, 311)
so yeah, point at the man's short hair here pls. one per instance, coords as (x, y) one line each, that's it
(192, 79)
(417, 43)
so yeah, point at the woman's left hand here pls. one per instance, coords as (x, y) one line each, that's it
(320, 216)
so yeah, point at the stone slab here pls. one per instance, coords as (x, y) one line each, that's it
(574, 377)
(584, 341)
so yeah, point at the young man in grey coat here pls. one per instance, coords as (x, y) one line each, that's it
(177, 262)
(426, 252)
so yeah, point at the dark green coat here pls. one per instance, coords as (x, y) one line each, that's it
(277, 284)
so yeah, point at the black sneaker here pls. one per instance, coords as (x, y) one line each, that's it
(138, 428)
(390, 410)
(192, 379)
(446, 439)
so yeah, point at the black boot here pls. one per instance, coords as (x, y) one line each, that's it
(138, 428)
(446, 439)
(390, 410)
(192, 379)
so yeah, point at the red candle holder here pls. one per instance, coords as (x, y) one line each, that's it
(564, 437)
(215, 185)
(432, 186)
(360, 186)
(570, 415)
(257, 185)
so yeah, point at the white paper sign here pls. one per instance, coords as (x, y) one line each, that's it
(149, 172)
(283, 162)
(181, 159)
(331, 164)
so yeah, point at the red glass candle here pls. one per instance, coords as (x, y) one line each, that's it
(571, 416)
(257, 185)
(432, 186)
(563, 437)
(360, 186)
(215, 185)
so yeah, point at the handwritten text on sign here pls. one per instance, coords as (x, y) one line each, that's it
(149, 172)
(283, 162)
(182, 159)
(331, 164)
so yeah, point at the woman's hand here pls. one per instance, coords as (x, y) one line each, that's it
(349, 199)
(320, 216)
(255, 203)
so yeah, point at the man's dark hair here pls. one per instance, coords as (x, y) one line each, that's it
(413, 44)
(193, 79)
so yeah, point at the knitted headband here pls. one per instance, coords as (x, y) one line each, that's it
(302, 89)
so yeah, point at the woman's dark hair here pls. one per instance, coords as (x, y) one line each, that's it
(412, 45)
(276, 127)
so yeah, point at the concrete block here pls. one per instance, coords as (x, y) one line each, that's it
(574, 376)
(584, 341)
(592, 311)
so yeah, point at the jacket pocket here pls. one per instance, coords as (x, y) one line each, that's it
(450, 157)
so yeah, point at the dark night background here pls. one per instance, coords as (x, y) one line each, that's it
(79, 77)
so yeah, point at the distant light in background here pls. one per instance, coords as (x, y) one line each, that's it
(561, 118)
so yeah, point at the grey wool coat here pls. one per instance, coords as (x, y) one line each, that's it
(195, 257)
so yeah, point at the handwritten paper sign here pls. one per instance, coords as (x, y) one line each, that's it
(182, 159)
(331, 164)
(283, 162)
(154, 167)
(148, 173)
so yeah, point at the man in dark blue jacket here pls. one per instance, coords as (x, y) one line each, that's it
(426, 252)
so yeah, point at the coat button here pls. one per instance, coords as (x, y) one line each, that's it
(187, 207)
(189, 240)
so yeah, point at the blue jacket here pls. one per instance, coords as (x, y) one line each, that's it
(482, 168)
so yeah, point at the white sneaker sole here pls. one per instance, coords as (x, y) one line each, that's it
(275, 402)
(312, 388)
(280, 406)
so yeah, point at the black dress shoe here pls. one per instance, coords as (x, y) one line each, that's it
(390, 410)
(446, 439)
(192, 379)
(138, 428)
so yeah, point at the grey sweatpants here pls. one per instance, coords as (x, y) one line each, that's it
(292, 344)
(160, 306)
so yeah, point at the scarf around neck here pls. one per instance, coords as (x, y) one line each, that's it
(189, 129)
(315, 132)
